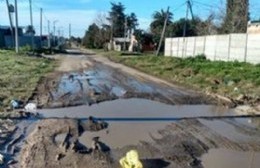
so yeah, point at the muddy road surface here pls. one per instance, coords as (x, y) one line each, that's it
(183, 144)
(89, 79)
(93, 111)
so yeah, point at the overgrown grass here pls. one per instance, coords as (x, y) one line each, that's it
(226, 78)
(20, 75)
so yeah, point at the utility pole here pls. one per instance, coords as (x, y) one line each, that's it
(16, 28)
(186, 18)
(111, 35)
(49, 35)
(69, 30)
(41, 26)
(191, 12)
(10, 19)
(31, 19)
(185, 23)
(70, 35)
(54, 29)
(163, 31)
(125, 28)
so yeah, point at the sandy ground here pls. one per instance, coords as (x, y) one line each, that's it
(70, 64)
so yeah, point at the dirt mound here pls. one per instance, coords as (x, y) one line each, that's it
(54, 143)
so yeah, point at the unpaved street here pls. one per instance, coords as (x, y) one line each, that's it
(169, 126)
(89, 79)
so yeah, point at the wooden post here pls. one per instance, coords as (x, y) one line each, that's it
(245, 58)
(16, 28)
(229, 45)
(163, 32)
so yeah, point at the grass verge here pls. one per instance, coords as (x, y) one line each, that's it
(20, 75)
(230, 79)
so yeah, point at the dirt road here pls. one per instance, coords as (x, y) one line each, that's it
(89, 78)
(165, 123)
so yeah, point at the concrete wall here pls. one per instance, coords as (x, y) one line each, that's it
(24, 41)
(231, 47)
(2, 39)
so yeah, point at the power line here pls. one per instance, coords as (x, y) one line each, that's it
(205, 4)
(179, 7)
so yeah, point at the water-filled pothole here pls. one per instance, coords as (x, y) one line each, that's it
(137, 108)
(220, 158)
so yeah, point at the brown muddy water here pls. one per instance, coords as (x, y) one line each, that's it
(236, 129)
(225, 158)
(134, 120)
(242, 130)
(135, 108)
(121, 134)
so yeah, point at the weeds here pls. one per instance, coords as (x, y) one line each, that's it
(227, 78)
(20, 75)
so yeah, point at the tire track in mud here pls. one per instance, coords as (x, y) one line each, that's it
(101, 83)
(183, 143)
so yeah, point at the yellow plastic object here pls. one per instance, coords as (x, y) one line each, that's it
(131, 160)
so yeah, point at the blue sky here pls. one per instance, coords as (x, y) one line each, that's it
(81, 13)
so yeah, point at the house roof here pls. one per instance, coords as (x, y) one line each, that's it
(4, 27)
(8, 27)
(121, 39)
(255, 21)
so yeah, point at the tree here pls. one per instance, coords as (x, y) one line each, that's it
(117, 19)
(101, 20)
(157, 24)
(29, 30)
(104, 28)
(132, 21)
(159, 18)
(206, 27)
(195, 27)
(91, 39)
(236, 18)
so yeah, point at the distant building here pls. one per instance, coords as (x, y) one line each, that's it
(6, 31)
(120, 43)
(253, 27)
(7, 41)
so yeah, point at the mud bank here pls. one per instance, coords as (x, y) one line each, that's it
(178, 144)
(219, 158)
(12, 135)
